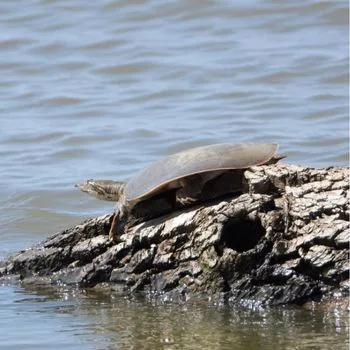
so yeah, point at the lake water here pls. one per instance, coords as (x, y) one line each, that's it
(99, 89)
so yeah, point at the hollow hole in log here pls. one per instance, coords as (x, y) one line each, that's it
(241, 234)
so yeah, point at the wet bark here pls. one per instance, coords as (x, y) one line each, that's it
(285, 241)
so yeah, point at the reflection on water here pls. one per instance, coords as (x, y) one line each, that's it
(32, 320)
(73, 318)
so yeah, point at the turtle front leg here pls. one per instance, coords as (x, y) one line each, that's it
(118, 224)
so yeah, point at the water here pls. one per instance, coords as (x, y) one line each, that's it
(99, 89)
(89, 320)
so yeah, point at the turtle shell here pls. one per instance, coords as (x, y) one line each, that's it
(157, 177)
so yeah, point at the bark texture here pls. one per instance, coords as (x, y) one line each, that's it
(285, 241)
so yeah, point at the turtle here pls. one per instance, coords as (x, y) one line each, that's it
(188, 175)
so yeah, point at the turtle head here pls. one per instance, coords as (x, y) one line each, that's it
(106, 190)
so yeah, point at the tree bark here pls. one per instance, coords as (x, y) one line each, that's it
(285, 241)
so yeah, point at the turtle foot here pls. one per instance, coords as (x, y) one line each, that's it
(185, 200)
(191, 190)
(117, 227)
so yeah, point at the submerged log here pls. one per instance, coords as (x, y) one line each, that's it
(285, 241)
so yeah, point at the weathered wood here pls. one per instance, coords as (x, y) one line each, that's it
(286, 241)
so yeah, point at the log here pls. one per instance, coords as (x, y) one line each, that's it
(285, 241)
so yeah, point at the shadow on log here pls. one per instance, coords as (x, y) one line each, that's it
(286, 241)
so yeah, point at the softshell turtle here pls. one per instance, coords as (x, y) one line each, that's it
(185, 174)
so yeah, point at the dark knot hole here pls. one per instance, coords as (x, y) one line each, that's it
(241, 234)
